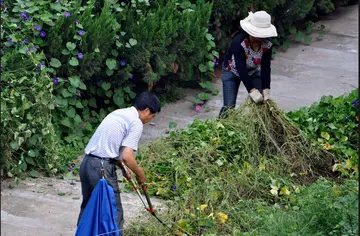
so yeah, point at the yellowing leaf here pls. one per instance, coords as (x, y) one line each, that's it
(182, 223)
(222, 217)
(348, 163)
(203, 206)
(247, 165)
(336, 190)
(211, 215)
(215, 140)
(159, 191)
(335, 167)
(325, 135)
(346, 138)
(297, 190)
(274, 190)
(261, 166)
(219, 126)
(178, 233)
(284, 191)
(357, 118)
(327, 146)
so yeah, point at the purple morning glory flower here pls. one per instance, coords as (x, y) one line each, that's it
(67, 14)
(80, 55)
(28, 51)
(173, 188)
(10, 41)
(42, 34)
(40, 66)
(214, 60)
(198, 108)
(123, 63)
(355, 103)
(34, 48)
(38, 28)
(217, 63)
(76, 21)
(1, 68)
(56, 80)
(72, 165)
(58, 0)
(347, 119)
(69, 169)
(25, 41)
(81, 32)
(26, 17)
(131, 76)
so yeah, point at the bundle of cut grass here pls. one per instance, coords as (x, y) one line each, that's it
(254, 153)
(275, 135)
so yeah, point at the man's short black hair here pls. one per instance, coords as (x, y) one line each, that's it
(148, 100)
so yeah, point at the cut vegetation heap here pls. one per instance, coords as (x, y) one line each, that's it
(254, 153)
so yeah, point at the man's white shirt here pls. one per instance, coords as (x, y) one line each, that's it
(121, 128)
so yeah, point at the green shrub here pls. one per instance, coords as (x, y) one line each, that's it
(175, 34)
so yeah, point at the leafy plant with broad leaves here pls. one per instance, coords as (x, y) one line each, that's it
(28, 137)
(333, 123)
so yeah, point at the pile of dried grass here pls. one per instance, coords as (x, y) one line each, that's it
(274, 134)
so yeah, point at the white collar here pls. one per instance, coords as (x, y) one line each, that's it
(135, 110)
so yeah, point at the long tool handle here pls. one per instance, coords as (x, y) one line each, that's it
(136, 188)
(151, 208)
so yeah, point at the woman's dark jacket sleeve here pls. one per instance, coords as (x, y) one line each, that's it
(240, 61)
(266, 69)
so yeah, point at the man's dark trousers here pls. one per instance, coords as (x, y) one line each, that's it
(90, 174)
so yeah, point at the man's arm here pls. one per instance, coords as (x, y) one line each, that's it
(130, 144)
(129, 160)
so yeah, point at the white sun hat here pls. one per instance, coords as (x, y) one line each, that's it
(258, 25)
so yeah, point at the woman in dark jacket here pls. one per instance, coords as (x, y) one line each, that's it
(248, 59)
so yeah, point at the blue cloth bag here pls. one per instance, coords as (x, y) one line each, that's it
(100, 213)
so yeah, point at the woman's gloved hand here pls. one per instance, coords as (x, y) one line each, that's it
(266, 93)
(256, 96)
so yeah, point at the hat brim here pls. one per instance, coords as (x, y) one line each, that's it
(258, 32)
